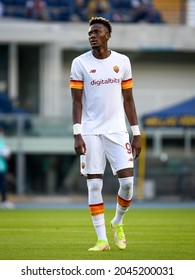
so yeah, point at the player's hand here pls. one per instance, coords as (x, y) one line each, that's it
(79, 145)
(136, 146)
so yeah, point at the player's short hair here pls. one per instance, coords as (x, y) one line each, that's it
(101, 20)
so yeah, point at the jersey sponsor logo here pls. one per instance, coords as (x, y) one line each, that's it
(107, 81)
(92, 70)
(116, 69)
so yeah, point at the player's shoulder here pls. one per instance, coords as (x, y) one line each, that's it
(120, 55)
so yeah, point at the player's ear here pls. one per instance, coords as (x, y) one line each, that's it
(108, 35)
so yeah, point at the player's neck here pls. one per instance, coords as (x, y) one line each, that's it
(101, 53)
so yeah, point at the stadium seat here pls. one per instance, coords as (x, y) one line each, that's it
(8, 2)
(53, 3)
(21, 2)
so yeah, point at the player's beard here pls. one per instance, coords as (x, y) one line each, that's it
(96, 47)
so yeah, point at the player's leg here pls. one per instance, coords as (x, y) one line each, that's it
(94, 163)
(125, 194)
(120, 156)
(96, 207)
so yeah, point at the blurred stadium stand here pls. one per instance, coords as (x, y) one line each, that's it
(173, 12)
(35, 59)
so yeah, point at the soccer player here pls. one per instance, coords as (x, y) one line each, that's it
(101, 87)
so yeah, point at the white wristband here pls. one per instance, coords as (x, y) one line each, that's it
(135, 130)
(77, 128)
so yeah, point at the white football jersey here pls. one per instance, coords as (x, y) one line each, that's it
(102, 81)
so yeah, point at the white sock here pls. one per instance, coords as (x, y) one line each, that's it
(99, 225)
(124, 198)
(96, 207)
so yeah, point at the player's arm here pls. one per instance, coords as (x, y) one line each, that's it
(79, 144)
(130, 111)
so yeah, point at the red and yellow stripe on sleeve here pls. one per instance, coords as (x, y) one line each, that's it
(96, 209)
(76, 84)
(127, 84)
(123, 202)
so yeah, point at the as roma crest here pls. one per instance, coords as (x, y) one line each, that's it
(116, 69)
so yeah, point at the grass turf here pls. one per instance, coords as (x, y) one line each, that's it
(152, 234)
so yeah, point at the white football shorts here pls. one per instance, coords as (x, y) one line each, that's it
(114, 147)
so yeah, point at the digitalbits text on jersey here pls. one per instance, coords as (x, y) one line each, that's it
(107, 81)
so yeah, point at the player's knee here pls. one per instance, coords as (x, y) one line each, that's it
(126, 186)
(94, 191)
(94, 185)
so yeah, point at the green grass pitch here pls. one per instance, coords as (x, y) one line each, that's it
(152, 234)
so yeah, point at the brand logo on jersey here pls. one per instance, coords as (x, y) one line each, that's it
(92, 70)
(116, 69)
(107, 81)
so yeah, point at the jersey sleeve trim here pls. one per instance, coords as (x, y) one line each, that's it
(127, 84)
(76, 84)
